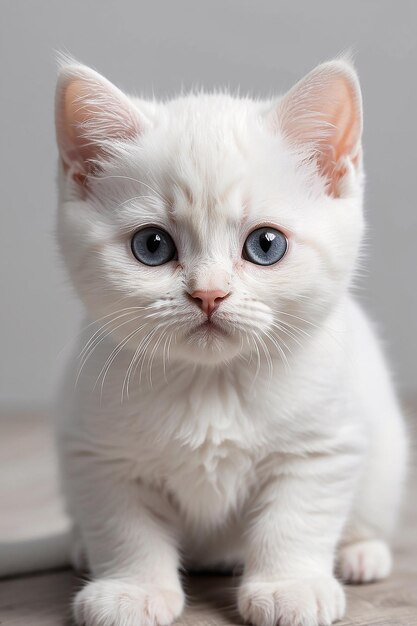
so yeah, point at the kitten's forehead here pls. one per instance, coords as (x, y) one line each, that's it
(209, 139)
(223, 163)
(199, 200)
(206, 164)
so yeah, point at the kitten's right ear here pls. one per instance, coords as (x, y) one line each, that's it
(322, 114)
(91, 116)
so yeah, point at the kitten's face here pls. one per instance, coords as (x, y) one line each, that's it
(208, 233)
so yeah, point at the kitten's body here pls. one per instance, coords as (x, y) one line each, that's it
(268, 438)
(216, 441)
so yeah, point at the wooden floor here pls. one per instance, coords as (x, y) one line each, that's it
(30, 507)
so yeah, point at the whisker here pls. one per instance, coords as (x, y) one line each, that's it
(287, 332)
(97, 343)
(267, 355)
(84, 327)
(136, 354)
(167, 337)
(145, 347)
(142, 347)
(280, 349)
(258, 367)
(153, 352)
(104, 370)
(128, 311)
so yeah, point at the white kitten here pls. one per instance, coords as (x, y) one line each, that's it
(232, 404)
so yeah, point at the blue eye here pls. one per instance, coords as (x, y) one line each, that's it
(153, 246)
(265, 246)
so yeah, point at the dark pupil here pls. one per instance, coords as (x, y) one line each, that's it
(265, 241)
(152, 242)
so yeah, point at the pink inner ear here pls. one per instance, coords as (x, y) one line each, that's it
(344, 115)
(323, 113)
(91, 113)
(77, 115)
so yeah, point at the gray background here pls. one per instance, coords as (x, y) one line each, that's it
(161, 47)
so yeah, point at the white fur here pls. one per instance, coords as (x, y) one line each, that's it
(268, 447)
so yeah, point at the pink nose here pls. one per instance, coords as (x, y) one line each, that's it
(208, 301)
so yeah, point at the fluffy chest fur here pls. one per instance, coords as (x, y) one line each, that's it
(208, 436)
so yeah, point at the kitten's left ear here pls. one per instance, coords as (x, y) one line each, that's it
(92, 116)
(323, 114)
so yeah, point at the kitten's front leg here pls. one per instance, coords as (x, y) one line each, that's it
(293, 529)
(131, 549)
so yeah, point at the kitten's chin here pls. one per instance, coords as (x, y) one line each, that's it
(209, 344)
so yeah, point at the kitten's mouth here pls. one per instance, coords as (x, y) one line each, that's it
(211, 328)
(211, 341)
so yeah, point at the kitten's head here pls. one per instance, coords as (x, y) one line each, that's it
(210, 226)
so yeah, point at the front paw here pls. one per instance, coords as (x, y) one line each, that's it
(364, 561)
(113, 602)
(292, 602)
